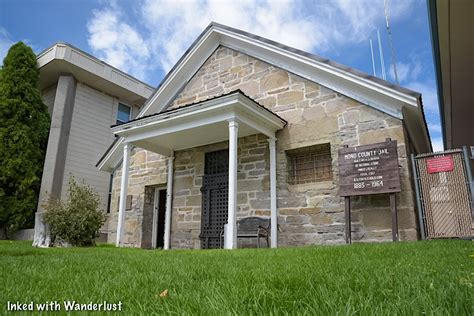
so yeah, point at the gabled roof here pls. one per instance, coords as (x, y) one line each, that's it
(194, 105)
(369, 90)
(201, 123)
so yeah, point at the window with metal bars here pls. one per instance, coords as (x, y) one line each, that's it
(309, 164)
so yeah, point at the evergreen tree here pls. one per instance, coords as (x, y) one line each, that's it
(24, 128)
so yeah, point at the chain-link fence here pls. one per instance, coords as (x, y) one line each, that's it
(443, 185)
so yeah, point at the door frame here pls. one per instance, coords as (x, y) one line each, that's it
(156, 203)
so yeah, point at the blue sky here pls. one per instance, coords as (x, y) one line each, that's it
(145, 38)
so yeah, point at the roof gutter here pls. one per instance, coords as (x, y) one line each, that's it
(433, 19)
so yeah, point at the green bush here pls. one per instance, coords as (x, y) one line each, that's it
(77, 221)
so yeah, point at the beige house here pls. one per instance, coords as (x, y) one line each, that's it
(243, 126)
(84, 96)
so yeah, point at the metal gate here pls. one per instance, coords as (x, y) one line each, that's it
(214, 190)
(443, 194)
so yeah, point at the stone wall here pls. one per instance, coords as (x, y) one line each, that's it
(253, 184)
(310, 213)
(146, 169)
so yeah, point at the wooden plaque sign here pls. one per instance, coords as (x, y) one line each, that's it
(369, 169)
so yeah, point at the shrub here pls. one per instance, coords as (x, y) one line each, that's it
(78, 220)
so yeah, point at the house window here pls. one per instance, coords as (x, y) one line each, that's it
(128, 203)
(123, 113)
(309, 164)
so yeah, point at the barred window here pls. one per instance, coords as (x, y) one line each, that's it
(309, 164)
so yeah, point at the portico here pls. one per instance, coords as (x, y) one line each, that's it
(224, 118)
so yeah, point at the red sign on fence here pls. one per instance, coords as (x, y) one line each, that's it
(440, 164)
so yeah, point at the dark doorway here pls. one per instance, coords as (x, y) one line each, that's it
(215, 187)
(153, 224)
(160, 218)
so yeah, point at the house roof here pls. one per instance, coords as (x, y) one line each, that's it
(195, 104)
(201, 123)
(321, 60)
(63, 58)
(192, 105)
(369, 90)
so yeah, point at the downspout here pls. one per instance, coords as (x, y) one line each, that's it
(418, 198)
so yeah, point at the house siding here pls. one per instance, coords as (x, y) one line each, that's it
(89, 137)
(310, 213)
(48, 97)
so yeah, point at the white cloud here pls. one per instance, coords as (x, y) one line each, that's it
(5, 43)
(409, 70)
(406, 71)
(429, 95)
(434, 127)
(174, 25)
(117, 42)
(403, 70)
(437, 143)
(359, 18)
(171, 26)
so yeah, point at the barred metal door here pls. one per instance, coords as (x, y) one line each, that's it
(215, 188)
(444, 194)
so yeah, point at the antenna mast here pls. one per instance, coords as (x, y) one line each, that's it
(390, 40)
(382, 62)
(372, 53)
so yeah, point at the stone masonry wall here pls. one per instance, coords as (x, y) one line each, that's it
(146, 169)
(253, 183)
(310, 213)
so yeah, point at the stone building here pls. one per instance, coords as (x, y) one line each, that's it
(243, 126)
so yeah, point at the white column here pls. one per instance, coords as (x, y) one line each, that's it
(273, 194)
(169, 199)
(230, 239)
(123, 193)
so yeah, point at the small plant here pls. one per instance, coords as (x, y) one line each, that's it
(78, 220)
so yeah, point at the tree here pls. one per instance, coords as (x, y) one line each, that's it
(24, 128)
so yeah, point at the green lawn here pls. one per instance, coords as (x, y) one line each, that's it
(433, 277)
